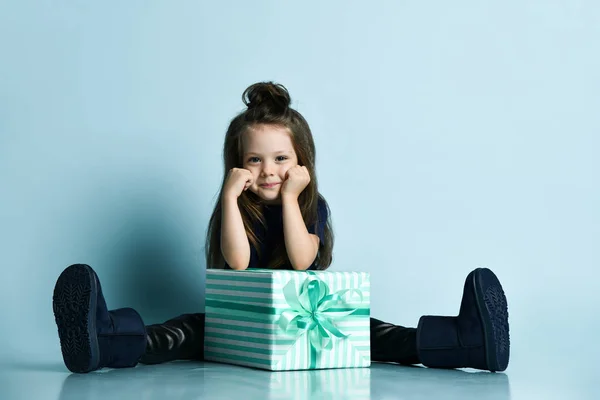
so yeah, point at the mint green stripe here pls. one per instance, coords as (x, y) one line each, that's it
(352, 329)
(240, 288)
(364, 310)
(226, 312)
(243, 316)
(314, 357)
(266, 331)
(283, 341)
(256, 350)
(356, 338)
(238, 358)
(273, 319)
(239, 299)
(280, 304)
(258, 317)
(239, 278)
(269, 289)
(213, 301)
(270, 331)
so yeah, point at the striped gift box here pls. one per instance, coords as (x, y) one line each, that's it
(288, 320)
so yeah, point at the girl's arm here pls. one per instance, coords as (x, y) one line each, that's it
(234, 242)
(301, 246)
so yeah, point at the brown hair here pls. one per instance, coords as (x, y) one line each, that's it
(269, 103)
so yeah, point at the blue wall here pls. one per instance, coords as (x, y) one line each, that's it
(449, 137)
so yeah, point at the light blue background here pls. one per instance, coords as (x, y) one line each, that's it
(450, 135)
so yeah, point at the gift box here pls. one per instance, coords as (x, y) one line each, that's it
(283, 320)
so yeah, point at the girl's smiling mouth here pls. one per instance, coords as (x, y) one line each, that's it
(269, 185)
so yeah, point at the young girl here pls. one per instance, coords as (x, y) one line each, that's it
(270, 215)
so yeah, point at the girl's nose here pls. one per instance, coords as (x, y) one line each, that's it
(268, 169)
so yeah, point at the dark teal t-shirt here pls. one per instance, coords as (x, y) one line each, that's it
(274, 230)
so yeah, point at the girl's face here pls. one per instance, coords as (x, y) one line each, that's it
(268, 154)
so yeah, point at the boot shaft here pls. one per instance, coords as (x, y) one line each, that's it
(122, 340)
(441, 345)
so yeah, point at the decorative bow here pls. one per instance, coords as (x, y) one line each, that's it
(311, 311)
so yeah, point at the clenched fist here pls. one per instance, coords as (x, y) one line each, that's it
(238, 180)
(297, 179)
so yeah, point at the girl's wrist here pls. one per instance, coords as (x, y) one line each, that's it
(228, 199)
(288, 198)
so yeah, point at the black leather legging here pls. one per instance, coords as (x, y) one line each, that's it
(182, 338)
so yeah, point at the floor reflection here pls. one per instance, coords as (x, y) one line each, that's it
(429, 383)
(185, 380)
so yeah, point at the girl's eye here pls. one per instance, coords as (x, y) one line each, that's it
(256, 159)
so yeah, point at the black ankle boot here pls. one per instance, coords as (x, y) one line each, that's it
(91, 336)
(393, 343)
(180, 338)
(478, 337)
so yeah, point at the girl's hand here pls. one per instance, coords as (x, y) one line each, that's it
(238, 180)
(296, 180)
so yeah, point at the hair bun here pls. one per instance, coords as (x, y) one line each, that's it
(272, 96)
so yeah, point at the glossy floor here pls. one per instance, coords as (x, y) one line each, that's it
(197, 380)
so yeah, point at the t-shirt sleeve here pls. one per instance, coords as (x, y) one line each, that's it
(319, 227)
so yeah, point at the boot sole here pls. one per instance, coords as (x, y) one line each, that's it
(493, 308)
(74, 306)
